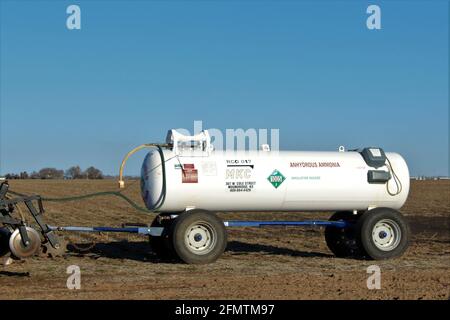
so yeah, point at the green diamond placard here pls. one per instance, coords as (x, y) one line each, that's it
(276, 178)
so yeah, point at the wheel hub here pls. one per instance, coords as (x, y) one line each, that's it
(200, 238)
(386, 234)
(382, 235)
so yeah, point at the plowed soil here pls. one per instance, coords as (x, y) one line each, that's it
(264, 263)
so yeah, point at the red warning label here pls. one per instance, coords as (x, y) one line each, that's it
(189, 173)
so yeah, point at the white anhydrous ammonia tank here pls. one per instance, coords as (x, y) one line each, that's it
(196, 176)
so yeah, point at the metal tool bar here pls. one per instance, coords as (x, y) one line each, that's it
(153, 231)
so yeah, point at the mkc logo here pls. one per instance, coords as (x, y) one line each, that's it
(239, 169)
(238, 173)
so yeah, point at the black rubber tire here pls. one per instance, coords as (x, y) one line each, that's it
(178, 234)
(365, 227)
(5, 234)
(161, 245)
(343, 242)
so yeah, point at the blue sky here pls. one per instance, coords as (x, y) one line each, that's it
(138, 68)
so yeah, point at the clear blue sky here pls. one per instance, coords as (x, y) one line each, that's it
(138, 68)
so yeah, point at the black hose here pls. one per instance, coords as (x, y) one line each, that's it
(91, 195)
(113, 193)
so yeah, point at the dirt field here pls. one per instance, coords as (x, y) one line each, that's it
(270, 263)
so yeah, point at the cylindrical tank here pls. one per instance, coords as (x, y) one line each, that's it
(272, 181)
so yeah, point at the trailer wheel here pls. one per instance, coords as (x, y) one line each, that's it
(161, 245)
(198, 237)
(5, 234)
(383, 233)
(343, 242)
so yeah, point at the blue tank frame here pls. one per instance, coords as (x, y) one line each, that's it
(157, 231)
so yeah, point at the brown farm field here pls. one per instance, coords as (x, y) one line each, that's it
(264, 263)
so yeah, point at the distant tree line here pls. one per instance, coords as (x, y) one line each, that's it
(74, 172)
